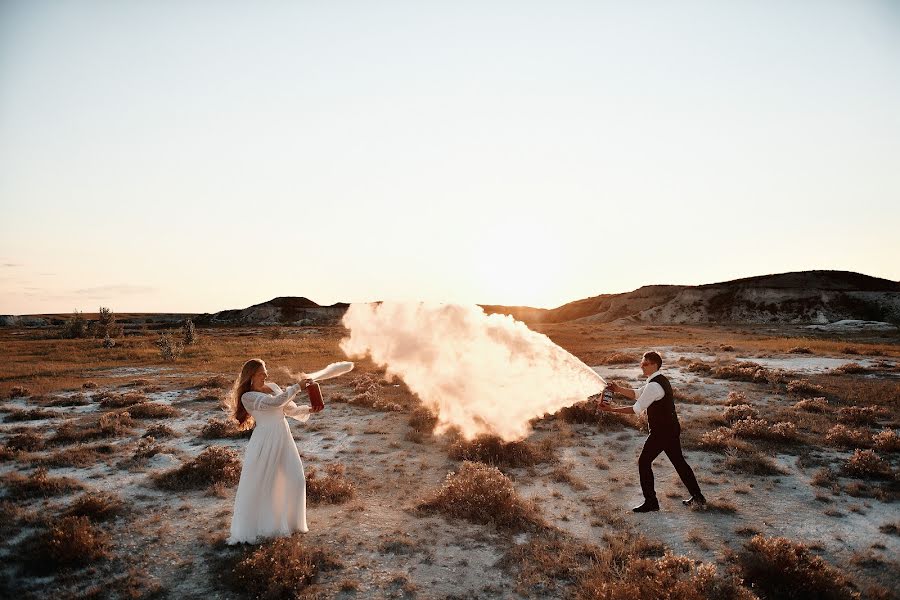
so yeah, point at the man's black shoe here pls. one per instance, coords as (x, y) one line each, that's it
(646, 507)
(697, 500)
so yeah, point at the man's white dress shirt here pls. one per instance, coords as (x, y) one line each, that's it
(648, 394)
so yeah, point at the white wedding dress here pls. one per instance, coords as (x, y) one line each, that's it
(271, 494)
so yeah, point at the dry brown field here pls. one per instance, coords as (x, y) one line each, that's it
(118, 473)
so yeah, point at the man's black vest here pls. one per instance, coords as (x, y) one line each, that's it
(661, 414)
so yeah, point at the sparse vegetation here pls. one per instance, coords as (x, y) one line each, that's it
(886, 441)
(803, 386)
(67, 543)
(153, 410)
(331, 488)
(224, 429)
(280, 568)
(188, 333)
(96, 506)
(216, 464)
(866, 464)
(169, 349)
(481, 493)
(38, 485)
(842, 436)
(814, 405)
(780, 568)
(494, 451)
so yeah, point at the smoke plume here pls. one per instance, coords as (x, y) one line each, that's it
(485, 374)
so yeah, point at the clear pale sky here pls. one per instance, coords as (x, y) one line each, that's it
(198, 156)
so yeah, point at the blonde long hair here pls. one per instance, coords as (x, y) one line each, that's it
(233, 404)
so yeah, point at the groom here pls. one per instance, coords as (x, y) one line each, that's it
(665, 432)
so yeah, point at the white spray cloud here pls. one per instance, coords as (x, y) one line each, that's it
(486, 374)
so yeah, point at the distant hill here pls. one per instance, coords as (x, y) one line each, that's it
(285, 310)
(802, 298)
(805, 297)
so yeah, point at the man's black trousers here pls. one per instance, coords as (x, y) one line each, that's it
(670, 443)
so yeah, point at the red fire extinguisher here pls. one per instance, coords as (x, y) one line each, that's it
(315, 396)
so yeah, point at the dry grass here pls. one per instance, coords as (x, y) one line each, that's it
(841, 436)
(96, 506)
(494, 451)
(116, 400)
(631, 568)
(38, 485)
(331, 488)
(750, 463)
(866, 464)
(280, 568)
(160, 431)
(153, 410)
(216, 464)
(862, 415)
(67, 543)
(886, 441)
(28, 441)
(224, 429)
(813, 405)
(108, 425)
(588, 413)
(780, 568)
(482, 494)
(79, 455)
(31, 414)
(422, 423)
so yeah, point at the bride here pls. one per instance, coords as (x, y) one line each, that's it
(271, 494)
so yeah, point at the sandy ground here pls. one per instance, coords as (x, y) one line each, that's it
(389, 549)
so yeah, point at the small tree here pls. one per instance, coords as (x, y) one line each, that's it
(189, 333)
(169, 350)
(106, 324)
(74, 327)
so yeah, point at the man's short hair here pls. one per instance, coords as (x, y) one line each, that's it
(654, 357)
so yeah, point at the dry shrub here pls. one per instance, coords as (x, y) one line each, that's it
(742, 371)
(824, 477)
(849, 350)
(482, 494)
(422, 423)
(700, 367)
(67, 543)
(814, 405)
(213, 465)
(563, 474)
(618, 358)
(114, 400)
(740, 411)
(587, 413)
(153, 410)
(890, 528)
(96, 506)
(547, 561)
(332, 488)
(32, 414)
(866, 464)
(862, 415)
(88, 385)
(18, 391)
(27, 441)
(800, 350)
(750, 462)
(760, 429)
(279, 568)
(146, 448)
(73, 400)
(721, 439)
(632, 569)
(224, 429)
(803, 386)
(851, 368)
(886, 440)
(735, 398)
(492, 450)
(220, 382)
(38, 485)
(160, 431)
(780, 568)
(842, 436)
(78, 455)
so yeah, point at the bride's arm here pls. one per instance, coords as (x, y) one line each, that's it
(260, 401)
(301, 413)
